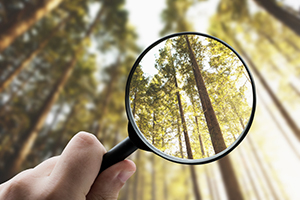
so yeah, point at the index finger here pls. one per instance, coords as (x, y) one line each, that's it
(79, 163)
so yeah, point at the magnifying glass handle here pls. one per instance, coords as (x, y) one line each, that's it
(117, 153)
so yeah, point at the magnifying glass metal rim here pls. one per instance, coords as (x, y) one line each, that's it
(173, 158)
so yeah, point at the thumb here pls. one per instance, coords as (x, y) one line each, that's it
(110, 181)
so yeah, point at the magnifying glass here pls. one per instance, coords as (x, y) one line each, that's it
(190, 98)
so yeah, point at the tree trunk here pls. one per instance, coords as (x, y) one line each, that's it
(165, 187)
(153, 173)
(192, 168)
(279, 127)
(108, 93)
(292, 44)
(209, 113)
(185, 132)
(95, 22)
(30, 57)
(55, 118)
(59, 139)
(195, 183)
(153, 177)
(210, 184)
(238, 116)
(186, 136)
(249, 175)
(212, 177)
(276, 46)
(186, 182)
(286, 116)
(142, 184)
(200, 139)
(28, 138)
(29, 17)
(136, 177)
(275, 178)
(295, 89)
(197, 125)
(280, 14)
(275, 67)
(264, 171)
(232, 187)
(14, 93)
(179, 138)
(41, 147)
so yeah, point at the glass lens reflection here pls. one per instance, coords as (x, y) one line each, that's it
(191, 96)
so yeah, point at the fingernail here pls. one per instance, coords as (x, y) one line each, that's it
(125, 175)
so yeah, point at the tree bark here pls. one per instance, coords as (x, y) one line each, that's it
(179, 137)
(280, 14)
(232, 187)
(186, 136)
(200, 139)
(195, 183)
(28, 18)
(198, 131)
(209, 113)
(30, 57)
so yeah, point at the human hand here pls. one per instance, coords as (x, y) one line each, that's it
(71, 176)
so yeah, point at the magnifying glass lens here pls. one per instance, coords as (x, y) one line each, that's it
(191, 96)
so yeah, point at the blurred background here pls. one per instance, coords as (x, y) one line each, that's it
(64, 66)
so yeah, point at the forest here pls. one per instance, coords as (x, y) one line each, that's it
(64, 66)
(210, 102)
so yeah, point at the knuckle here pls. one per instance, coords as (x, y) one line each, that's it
(90, 140)
(16, 188)
(87, 138)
